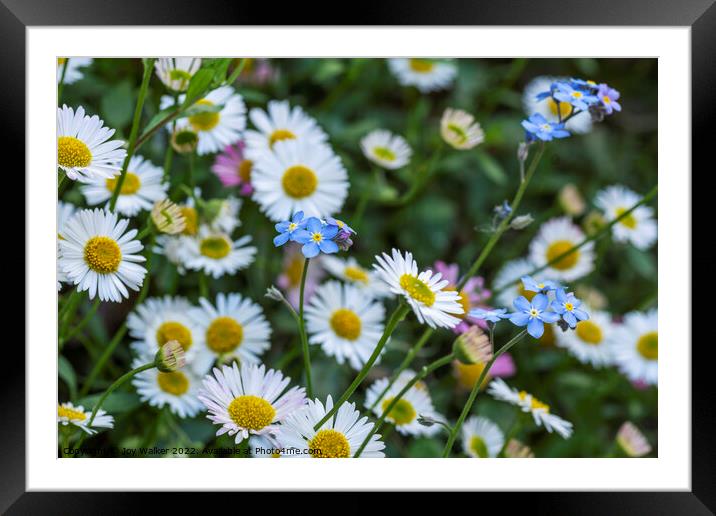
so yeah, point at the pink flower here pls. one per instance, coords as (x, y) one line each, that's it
(233, 169)
(290, 279)
(504, 367)
(471, 295)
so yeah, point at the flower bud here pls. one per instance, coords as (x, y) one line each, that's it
(523, 151)
(167, 217)
(184, 140)
(170, 357)
(473, 347)
(632, 441)
(593, 222)
(521, 222)
(571, 200)
(517, 450)
(274, 294)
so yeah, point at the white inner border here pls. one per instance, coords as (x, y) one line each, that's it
(672, 470)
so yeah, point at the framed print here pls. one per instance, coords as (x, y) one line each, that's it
(423, 245)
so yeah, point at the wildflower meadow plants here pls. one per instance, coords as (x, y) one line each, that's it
(283, 260)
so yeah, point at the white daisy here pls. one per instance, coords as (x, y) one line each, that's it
(339, 437)
(227, 216)
(635, 346)
(142, 187)
(177, 389)
(590, 341)
(262, 448)
(350, 271)
(459, 129)
(299, 176)
(414, 403)
(639, 227)
(345, 322)
(425, 74)
(73, 65)
(65, 211)
(69, 414)
(581, 123)
(386, 149)
(481, 438)
(423, 292)
(98, 256)
(234, 329)
(249, 401)
(280, 122)
(217, 253)
(159, 320)
(176, 72)
(216, 129)
(84, 148)
(528, 403)
(556, 236)
(174, 248)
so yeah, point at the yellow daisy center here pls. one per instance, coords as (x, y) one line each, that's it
(648, 345)
(629, 221)
(131, 184)
(174, 382)
(61, 60)
(172, 330)
(346, 324)
(355, 273)
(417, 289)
(329, 444)
(565, 108)
(402, 413)
(215, 247)
(384, 153)
(244, 171)
(556, 249)
(72, 152)
(71, 414)
(102, 254)
(280, 135)
(535, 404)
(468, 374)
(478, 446)
(421, 65)
(204, 121)
(299, 181)
(589, 332)
(191, 219)
(464, 301)
(251, 412)
(224, 334)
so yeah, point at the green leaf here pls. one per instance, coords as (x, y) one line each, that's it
(117, 106)
(492, 169)
(198, 86)
(68, 375)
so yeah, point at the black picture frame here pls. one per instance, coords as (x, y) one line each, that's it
(700, 15)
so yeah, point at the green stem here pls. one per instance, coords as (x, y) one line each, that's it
(203, 285)
(122, 330)
(409, 357)
(475, 389)
(420, 181)
(398, 315)
(302, 331)
(148, 66)
(190, 172)
(86, 319)
(381, 420)
(602, 231)
(115, 385)
(505, 222)
(237, 71)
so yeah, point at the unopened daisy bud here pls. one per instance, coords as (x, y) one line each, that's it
(473, 347)
(523, 150)
(167, 217)
(170, 357)
(521, 222)
(184, 140)
(274, 294)
(517, 450)
(593, 222)
(571, 200)
(459, 129)
(632, 441)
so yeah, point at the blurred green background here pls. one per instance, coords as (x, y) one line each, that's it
(350, 97)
